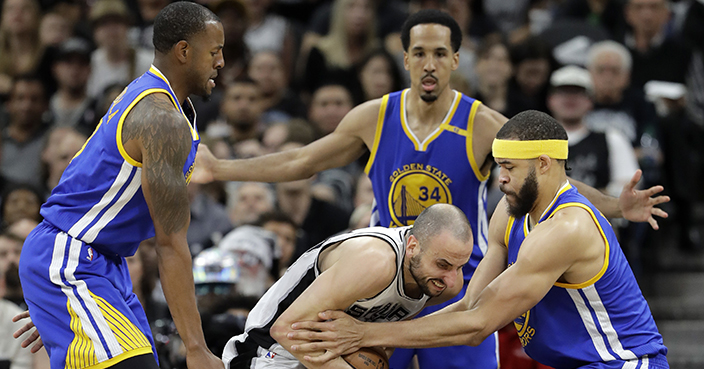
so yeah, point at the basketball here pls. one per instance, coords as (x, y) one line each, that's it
(368, 358)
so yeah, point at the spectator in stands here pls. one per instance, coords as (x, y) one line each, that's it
(70, 105)
(656, 56)
(234, 17)
(390, 15)
(255, 251)
(494, 70)
(605, 13)
(352, 35)
(12, 355)
(21, 201)
(270, 32)
(23, 138)
(10, 250)
(241, 108)
(330, 103)
(248, 200)
(286, 232)
(142, 34)
(54, 29)
(532, 65)
(279, 102)
(604, 161)
(20, 49)
(378, 75)
(618, 107)
(115, 60)
(209, 220)
(317, 219)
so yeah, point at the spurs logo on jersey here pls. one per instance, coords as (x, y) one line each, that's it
(415, 187)
(389, 312)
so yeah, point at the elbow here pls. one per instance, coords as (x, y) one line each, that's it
(477, 338)
(278, 331)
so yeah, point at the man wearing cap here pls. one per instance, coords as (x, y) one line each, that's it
(554, 267)
(70, 105)
(601, 160)
(115, 60)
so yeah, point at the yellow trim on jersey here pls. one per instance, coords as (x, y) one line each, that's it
(507, 234)
(80, 353)
(445, 125)
(402, 113)
(470, 153)
(377, 133)
(128, 335)
(594, 279)
(134, 102)
(158, 73)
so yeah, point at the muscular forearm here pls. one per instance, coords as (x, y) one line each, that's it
(177, 282)
(606, 204)
(278, 167)
(452, 329)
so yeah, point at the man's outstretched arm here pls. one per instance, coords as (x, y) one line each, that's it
(339, 148)
(633, 204)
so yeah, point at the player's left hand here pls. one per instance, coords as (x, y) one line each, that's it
(27, 327)
(205, 162)
(338, 334)
(639, 205)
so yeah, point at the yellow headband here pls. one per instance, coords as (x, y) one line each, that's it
(512, 149)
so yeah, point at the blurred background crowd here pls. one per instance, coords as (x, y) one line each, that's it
(632, 96)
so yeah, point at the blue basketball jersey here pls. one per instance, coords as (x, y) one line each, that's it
(99, 198)
(605, 319)
(408, 175)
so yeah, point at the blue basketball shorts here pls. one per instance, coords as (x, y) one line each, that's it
(484, 356)
(81, 302)
(658, 361)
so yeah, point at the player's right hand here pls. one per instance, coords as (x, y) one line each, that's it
(203, 359)
(338, 334)
(205, 162)
(27, 327)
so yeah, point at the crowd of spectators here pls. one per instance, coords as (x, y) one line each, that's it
(624, 77)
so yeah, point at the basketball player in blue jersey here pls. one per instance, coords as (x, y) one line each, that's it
(553, 266)
(429, 144)
(375, 274)
(127, 184)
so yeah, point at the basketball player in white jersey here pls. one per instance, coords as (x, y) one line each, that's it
(374, 274)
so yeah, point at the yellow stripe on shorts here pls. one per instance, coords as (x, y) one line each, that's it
(81, 353)
(128, 335)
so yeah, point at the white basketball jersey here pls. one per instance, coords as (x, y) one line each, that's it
(391, 304)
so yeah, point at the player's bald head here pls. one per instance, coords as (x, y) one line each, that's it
(441, 218)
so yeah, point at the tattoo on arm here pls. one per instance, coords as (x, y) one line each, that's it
(166, 142)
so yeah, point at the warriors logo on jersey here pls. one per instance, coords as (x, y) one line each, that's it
(414, 187)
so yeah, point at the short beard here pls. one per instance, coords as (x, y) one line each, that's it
(421, 281)
(428, 98)
(526, 197)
